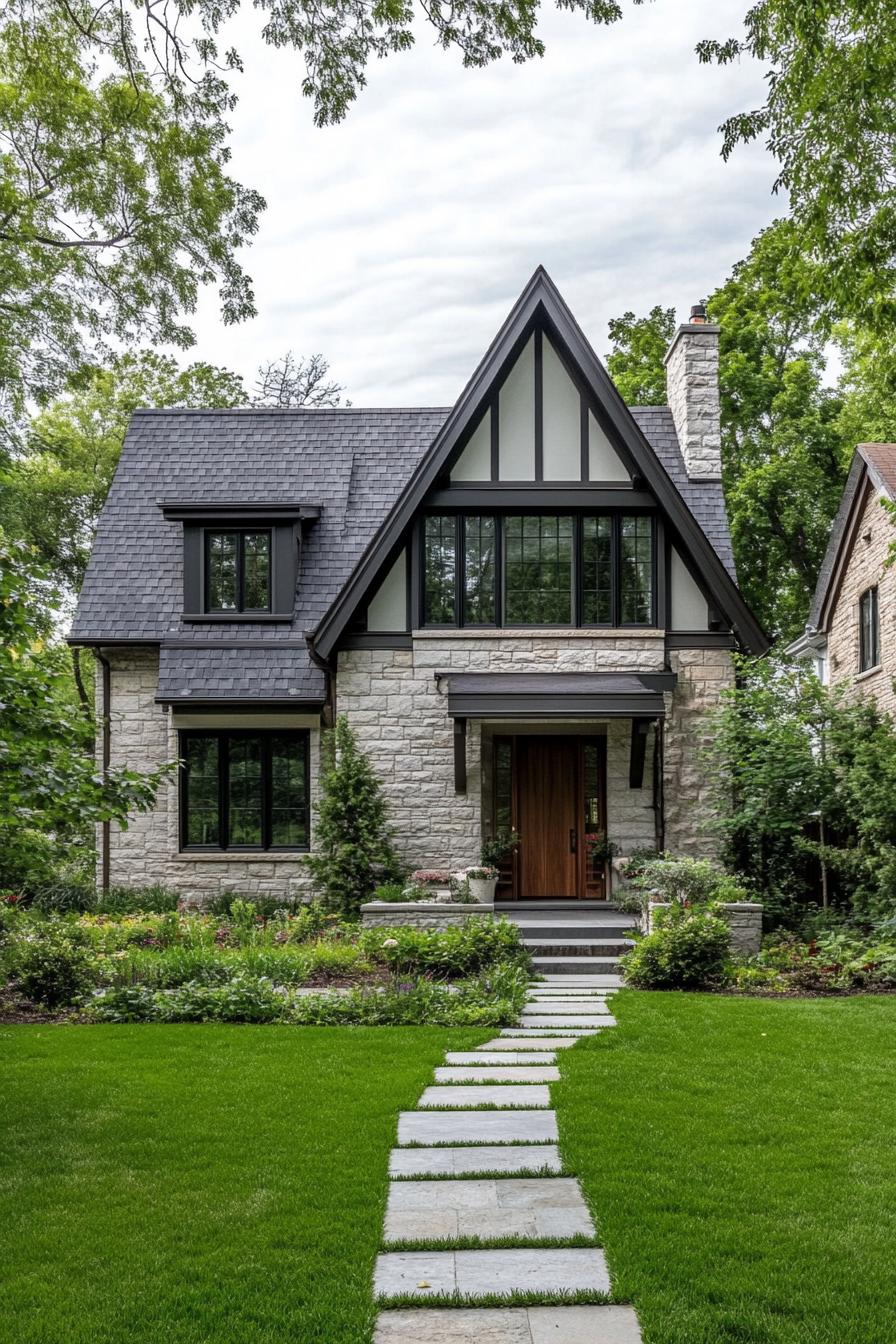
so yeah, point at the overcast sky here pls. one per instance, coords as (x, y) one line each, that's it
(396, 242)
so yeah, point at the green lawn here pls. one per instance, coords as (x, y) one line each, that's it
(199, 1184)
(741, 1157)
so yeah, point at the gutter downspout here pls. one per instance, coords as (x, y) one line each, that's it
(107, 759)
(325, 665)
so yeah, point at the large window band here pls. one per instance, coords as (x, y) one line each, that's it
(539, 569)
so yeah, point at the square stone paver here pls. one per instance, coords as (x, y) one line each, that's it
(584, 1007)
(494, 1073)
(481, 1273)
(511, 1094)
(537, 1030)
(509, 1325)
(447, 1161)
(482, 1057)
(542, 1207)
(434, 1127)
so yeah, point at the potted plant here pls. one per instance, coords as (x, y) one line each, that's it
(482, 882)
(496, 848)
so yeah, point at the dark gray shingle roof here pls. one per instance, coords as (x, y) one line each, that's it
(352, 462)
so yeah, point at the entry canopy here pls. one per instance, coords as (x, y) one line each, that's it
(556, 695)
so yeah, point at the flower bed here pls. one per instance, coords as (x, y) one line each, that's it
(244, 966)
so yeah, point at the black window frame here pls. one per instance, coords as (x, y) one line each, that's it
(458, 517)
(222, 736)
(869, 658)
(208, 533)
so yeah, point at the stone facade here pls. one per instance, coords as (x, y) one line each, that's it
(689, 792)
(143, 737)
(864, 569)
(398, 708)
(420, 915)
(692, 386)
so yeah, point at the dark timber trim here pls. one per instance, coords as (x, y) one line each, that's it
(541, 304)
(538, 351)
(188, 705)
(700, 639)
(640, 729)
(187, 511)
(373, 639)
(546, 497)
(460, 755)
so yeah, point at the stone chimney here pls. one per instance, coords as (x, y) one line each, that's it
(692, 390)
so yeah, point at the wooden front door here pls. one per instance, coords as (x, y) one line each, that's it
(552, 790)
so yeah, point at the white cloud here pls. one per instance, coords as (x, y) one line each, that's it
(396, 242)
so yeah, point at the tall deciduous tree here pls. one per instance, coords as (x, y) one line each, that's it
(54, 490)
(291, 381)
(636, 360)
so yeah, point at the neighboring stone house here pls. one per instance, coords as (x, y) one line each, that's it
(525, 604)
(851, 633)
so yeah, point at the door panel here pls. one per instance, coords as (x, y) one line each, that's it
(548, 770)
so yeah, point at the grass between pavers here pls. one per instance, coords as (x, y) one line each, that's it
(200, 1183)
(738, 1155)
(580, 1298)
(523, 1173)
(576, 1241)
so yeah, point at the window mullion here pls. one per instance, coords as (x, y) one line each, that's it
(615, 573)
(266, 790)
(460, 567)
(224, 789)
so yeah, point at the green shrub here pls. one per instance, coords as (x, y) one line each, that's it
(354, 842)
(689, 950)
(135, 900)
(446, 953)
(51, 967)
(391, 891)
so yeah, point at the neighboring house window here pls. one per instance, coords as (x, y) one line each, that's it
(238, 571)
(869, 630)
(539, 569)
(242, 789)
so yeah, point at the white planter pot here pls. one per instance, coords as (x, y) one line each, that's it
(482, 889)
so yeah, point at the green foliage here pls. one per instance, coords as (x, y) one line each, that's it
(58, 484)
(685, 881)
(50, 791)
(688, 950)
(496, 848)
(829, 119)
(446, 953)
(117, 206)
(785, 749)
(836, 961)
(51, 965)
(354, 851)
(636, 361)
(392, 891)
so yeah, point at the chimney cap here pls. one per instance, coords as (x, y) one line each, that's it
(698, 313)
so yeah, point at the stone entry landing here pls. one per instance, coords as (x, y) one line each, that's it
(486, 1131)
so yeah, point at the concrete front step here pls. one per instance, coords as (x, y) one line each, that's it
(504, 1095)
(482, 1273)
(575, 933)
(508, 1325)
(490, 1209)
(446, 1161)
(434, 1127)
(575, 965)
(606, 949)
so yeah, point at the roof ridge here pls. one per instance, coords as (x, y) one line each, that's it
(291, 410)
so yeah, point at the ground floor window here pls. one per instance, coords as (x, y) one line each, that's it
(242, 789)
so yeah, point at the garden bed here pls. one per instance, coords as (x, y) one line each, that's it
(249, 966)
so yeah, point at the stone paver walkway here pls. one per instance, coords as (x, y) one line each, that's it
(478, 1162)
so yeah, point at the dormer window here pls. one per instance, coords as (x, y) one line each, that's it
(240, 560)
(238, 570)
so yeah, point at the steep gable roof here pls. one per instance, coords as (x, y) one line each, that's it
(873, 466)
(540, 302)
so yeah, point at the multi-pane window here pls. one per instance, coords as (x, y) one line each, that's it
(636, 569)
(597, 570)
(479, 570)
(869, 630)
(242, 789)
(238, 571)
(440, 568)
(538, 570)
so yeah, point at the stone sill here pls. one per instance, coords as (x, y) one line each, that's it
(869, 672)
(248, 856)
(505, 633)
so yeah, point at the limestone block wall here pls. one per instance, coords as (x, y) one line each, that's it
(418, 915)
(143, 737)
(399, 710)
(689, 791)
(865, 569)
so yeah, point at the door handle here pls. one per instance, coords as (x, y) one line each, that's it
(573, 840)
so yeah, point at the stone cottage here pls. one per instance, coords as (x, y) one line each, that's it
(525, 604)
(852, 623)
